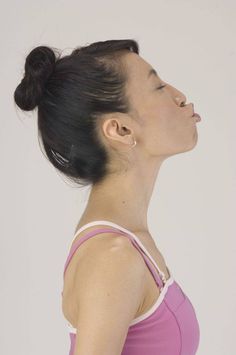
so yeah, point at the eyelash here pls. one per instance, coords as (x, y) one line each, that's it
(161, 87)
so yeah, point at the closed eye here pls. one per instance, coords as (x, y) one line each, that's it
(161, 87)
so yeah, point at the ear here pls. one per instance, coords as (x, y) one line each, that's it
(118, 129)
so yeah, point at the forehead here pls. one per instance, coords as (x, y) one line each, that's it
(138, 68)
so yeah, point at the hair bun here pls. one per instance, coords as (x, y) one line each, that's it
(39, 65)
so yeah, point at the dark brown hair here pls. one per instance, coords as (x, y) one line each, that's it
(71, 94)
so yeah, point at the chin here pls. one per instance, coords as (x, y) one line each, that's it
(194, 141)
(190, 146)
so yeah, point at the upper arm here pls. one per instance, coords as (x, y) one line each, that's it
(109, 299)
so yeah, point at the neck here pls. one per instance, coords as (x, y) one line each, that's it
(124, 198)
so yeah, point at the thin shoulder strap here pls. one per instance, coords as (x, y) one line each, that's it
(123, 229)
(117, 231)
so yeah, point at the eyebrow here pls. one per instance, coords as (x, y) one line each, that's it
(152, 72)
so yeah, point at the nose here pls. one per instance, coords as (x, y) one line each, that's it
(181, 100)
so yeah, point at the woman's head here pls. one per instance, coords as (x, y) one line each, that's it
(94, 103)
(166, 126)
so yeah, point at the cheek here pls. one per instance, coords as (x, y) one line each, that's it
(169, 116)
(172, 121)
(166, 121)
(168, 130)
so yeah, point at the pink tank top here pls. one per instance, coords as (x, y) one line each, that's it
(170, 326)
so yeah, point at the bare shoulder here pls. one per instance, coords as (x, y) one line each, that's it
(108, 252)
(108, 297)
(105, 244)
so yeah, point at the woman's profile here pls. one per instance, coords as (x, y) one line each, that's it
(107, 120)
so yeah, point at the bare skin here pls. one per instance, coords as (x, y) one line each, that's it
(162, 127)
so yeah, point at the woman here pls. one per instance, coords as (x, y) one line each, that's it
(107, 120)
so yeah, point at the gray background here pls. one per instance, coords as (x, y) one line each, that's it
(191, 44)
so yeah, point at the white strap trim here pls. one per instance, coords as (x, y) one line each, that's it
(165, 287)
(150, 311)
(112, 224)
